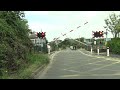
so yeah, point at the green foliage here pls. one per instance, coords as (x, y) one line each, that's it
(70, 42)
(82, 39)
(63, 46)
(114, 45)
(53, 46)
(25, 71)
(14, 41)
(113, 24)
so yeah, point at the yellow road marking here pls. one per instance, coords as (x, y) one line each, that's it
(76, 75)
(72, 71)
(85, 64)
(103, 66)
(107, 58)
(70, 75)
(111, 70)
(92, 69)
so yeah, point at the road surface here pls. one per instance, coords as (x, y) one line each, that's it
(77, 64)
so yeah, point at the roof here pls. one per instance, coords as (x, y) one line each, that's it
(32, 36)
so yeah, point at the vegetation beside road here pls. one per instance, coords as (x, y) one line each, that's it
(114, 45)
(26, 70)
(17, 59)
(113, 26)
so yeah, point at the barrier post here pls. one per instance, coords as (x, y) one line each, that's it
(108, 51)
(98, 50)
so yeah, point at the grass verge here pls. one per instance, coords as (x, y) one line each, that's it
(26, 70)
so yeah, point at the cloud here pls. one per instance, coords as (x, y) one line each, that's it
(56, 22)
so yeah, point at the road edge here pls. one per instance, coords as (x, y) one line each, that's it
(39, 73)
(98, 56)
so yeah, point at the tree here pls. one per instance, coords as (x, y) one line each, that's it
(82, 39)
(113, 24)
(15, 43)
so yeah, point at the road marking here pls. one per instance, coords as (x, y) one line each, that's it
(95, 63)
(103, 67)
(104, 75)
(88, 74)
(111, 70)
(76, 75)
(72, 71)
(85, 64)
(72, 62)
(69, 64)
(52, 59)
(86, 54)
(92, 69)
(118, 73)
(70, 75)
(111, 59)
(89, 55)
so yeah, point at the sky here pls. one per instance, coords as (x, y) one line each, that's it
(56, 23)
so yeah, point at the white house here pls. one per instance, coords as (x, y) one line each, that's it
(35, 40)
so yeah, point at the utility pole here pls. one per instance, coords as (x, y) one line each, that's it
(106, 33)
(41, 30)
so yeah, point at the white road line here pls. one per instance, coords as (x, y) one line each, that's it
(110, 59)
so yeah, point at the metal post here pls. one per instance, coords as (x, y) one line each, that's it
(91, 49)
(108, 51)
(48, 46)
(95, 42)
(98, 50)
(106, 35)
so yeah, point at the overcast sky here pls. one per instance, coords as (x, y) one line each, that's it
(56, 22)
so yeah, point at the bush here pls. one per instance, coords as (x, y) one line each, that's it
(63, 46)
(15, 43)
(114, 45)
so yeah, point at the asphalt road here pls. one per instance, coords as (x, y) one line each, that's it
(79, 64)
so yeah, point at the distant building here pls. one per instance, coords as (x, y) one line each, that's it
(35, 40)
